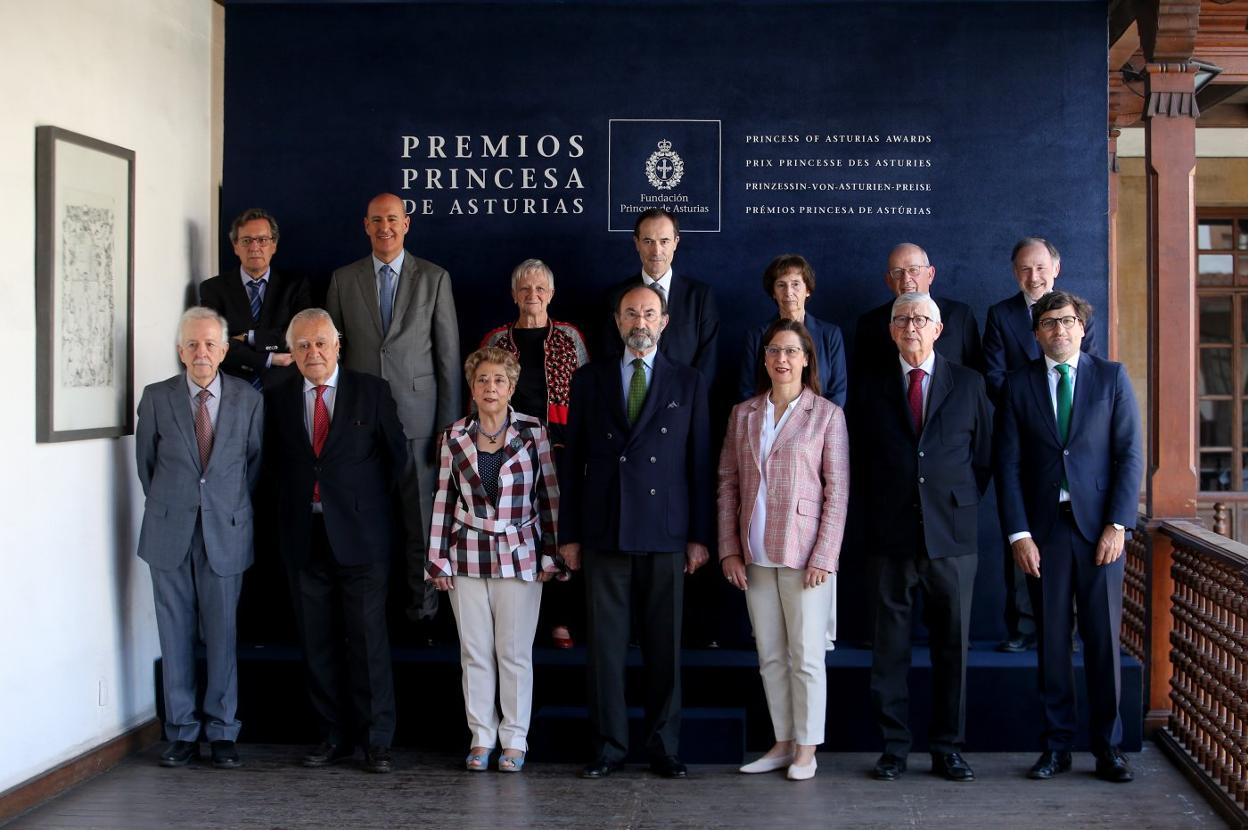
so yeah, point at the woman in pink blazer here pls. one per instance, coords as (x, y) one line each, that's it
(783, 488)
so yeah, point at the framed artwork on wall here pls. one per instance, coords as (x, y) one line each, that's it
(84, 287)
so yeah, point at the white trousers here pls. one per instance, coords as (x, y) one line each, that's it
(790, 623)
(497, 620)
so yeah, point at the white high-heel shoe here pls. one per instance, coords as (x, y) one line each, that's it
(802, 772)
(766, 764)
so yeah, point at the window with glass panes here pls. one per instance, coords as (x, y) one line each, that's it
(1222, 365)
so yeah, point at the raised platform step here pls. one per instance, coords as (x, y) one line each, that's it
(714, 735)
(1003, 705)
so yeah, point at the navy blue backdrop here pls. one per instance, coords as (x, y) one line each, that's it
(782, 116)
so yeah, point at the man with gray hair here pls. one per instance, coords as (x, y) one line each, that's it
(337, 454)
(921, 444)
(197, 448)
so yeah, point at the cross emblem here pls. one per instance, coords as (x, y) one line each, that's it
(665, 168)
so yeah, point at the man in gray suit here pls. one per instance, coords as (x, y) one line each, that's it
(197, 446)
(397, 318)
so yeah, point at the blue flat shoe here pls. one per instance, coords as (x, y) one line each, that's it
(508, 764)
(477, 762)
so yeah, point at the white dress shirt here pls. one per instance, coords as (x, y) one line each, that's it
(758, 519)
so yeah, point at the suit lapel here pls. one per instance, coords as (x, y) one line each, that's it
(227, 415)
(656, 394)
(753, 426)
(938, 390)
(1020, 327)
(1086, 381)
(1039, 382)
(292, 402)
(344, 398)
(236, 296)
(366, 284)
(895, 398)
(180, 400)
(463, 449)
(796, 424)
(403, 294)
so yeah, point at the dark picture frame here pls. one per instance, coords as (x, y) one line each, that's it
(84, 287)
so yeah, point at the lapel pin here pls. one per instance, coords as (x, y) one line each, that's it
(674, 405)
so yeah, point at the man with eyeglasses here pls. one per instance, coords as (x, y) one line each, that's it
(921, 447)
(256, 302)
(1069, 461)
(637, 512)
(910, 271)
(1010, 343)
(398, 322)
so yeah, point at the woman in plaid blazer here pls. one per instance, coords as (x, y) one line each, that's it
(491, 546)
(783, 488)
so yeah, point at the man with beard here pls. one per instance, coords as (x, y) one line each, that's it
(637, 512)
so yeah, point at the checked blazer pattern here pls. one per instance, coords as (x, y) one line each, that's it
(470, 535)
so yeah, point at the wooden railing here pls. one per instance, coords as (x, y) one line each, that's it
(1207, 729)
(1135, 594)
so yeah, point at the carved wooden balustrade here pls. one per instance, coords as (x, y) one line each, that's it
(1208, 724)
(1135, 594)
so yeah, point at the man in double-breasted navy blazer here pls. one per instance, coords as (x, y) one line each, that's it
(256, 301)
(197, 447)
(1010, 343)
(1068, 470)
(910, 271)
(337, 456)
(638, 512)
(692, 338)
(921, 440)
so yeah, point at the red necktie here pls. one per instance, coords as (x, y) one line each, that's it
(203, 428)
(320, 431)
(915, 398)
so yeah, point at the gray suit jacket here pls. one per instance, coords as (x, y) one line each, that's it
(419, 356)
(178, 490)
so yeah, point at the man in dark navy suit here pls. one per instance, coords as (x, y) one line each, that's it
(921, 436)
(637, 513)
(691, 340)
(256, 301)
(1069, 463)
(910, 271)
(1010, 343)
(338, 460)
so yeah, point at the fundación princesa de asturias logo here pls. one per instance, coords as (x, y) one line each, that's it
(665, 167)
(669, 163)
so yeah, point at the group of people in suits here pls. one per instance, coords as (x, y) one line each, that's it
(365, 449)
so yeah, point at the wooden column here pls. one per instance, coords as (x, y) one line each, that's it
(1170, 160)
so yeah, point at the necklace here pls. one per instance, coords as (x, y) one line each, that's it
(492, 437)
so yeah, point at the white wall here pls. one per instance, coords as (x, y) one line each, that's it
(75, 603)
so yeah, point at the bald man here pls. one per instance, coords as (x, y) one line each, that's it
(397, 318)
(911, 271)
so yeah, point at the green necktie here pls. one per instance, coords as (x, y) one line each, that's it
(1064, 400)
(636, 390)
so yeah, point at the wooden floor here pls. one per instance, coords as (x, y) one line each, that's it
(271, 791)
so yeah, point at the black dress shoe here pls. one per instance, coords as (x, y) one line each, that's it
(669, 766)
(952, 766)
(377, 759)
(1050, 763)
(225, 755)
(888, 768)
(1017, 644)
(1112, 766)
(599, 769)
(179, 753)
(326, 753)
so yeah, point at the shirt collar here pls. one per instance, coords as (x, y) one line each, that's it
(396, 264)
(626, 362)
(926, 365)
(1073, 363)
(214, 387)
(332, 383)
(665, 280)
(247, 278)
